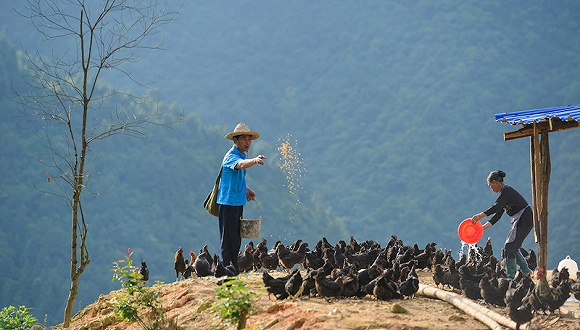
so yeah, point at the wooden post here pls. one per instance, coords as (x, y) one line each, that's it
(537, 233)
(541, 168)
(544, 184)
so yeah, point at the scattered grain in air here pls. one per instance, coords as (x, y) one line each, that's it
(292, 164)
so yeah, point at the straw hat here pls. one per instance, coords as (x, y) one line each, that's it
(242, 129)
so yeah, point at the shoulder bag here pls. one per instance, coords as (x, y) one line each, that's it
(210, 203)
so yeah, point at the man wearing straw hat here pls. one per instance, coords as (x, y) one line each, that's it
(233, 191)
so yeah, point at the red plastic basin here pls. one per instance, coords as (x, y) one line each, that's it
(470, 233)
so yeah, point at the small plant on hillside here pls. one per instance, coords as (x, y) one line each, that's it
(16, 318)
(139, 297)
(234, 303)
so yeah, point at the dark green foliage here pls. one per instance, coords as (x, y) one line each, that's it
(392, 105)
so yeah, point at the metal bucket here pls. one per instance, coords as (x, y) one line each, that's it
(250, 228)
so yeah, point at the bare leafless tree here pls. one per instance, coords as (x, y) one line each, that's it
(74, 108)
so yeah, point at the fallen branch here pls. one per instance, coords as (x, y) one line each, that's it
(488, 317)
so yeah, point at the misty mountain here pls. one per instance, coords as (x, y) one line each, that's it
(389, 107)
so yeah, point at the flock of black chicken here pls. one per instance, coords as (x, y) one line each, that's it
(356, 269)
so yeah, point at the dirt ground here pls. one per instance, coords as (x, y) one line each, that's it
(189, 302)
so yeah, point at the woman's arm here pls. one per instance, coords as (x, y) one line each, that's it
(480, 216)
(497, 209)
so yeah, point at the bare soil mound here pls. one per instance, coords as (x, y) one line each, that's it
(189, 302)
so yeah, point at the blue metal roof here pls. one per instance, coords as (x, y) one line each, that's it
(565, 113)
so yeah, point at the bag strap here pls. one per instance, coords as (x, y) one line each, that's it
(217, 180)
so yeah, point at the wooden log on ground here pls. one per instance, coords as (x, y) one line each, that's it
(486, 316)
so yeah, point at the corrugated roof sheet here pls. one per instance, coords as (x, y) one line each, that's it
(565, 113)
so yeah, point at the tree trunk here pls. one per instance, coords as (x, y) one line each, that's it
(75, 269)
(70, 302)
(74, 278)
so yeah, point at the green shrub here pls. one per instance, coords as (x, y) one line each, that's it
(139, 299)
(13, 318)
(234, 303)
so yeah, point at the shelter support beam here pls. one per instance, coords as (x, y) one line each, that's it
(550, 126)
(540, 178)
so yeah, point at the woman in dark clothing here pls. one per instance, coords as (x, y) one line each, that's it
(515, 205)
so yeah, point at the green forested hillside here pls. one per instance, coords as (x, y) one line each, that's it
(390, 104)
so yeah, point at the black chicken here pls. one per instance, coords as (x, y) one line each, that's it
(144, 271)
(437, 258)
(451, 277)
(548, 299)
(385, 289)
(396, 275)
(520, 308)
(222, 270)
(555, 280)
(559, 276)
(201, 265)
(339, 256)
(361, 259)
(470, 288)
(288, 258)
(206, 255)
(179, 263)
(423, 258)
(328, 256)
(462, 261)
(381, 260)
(312, 260)
(488, 248)
(294, 284)
(438, 273)
(368, 274)
(268, 260)
(530, 257)
(275, 286)
(308, 284)
(246, 259)
(490, 293)
(188, 270)
(294, 246)
(369, 288)
(410, 286)
(326, 287)
(521, 314)
(261, 248)
(469, 282)
(404, 254)
(470, 273)
(517, 288)
(353, 244)
(349, 279)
